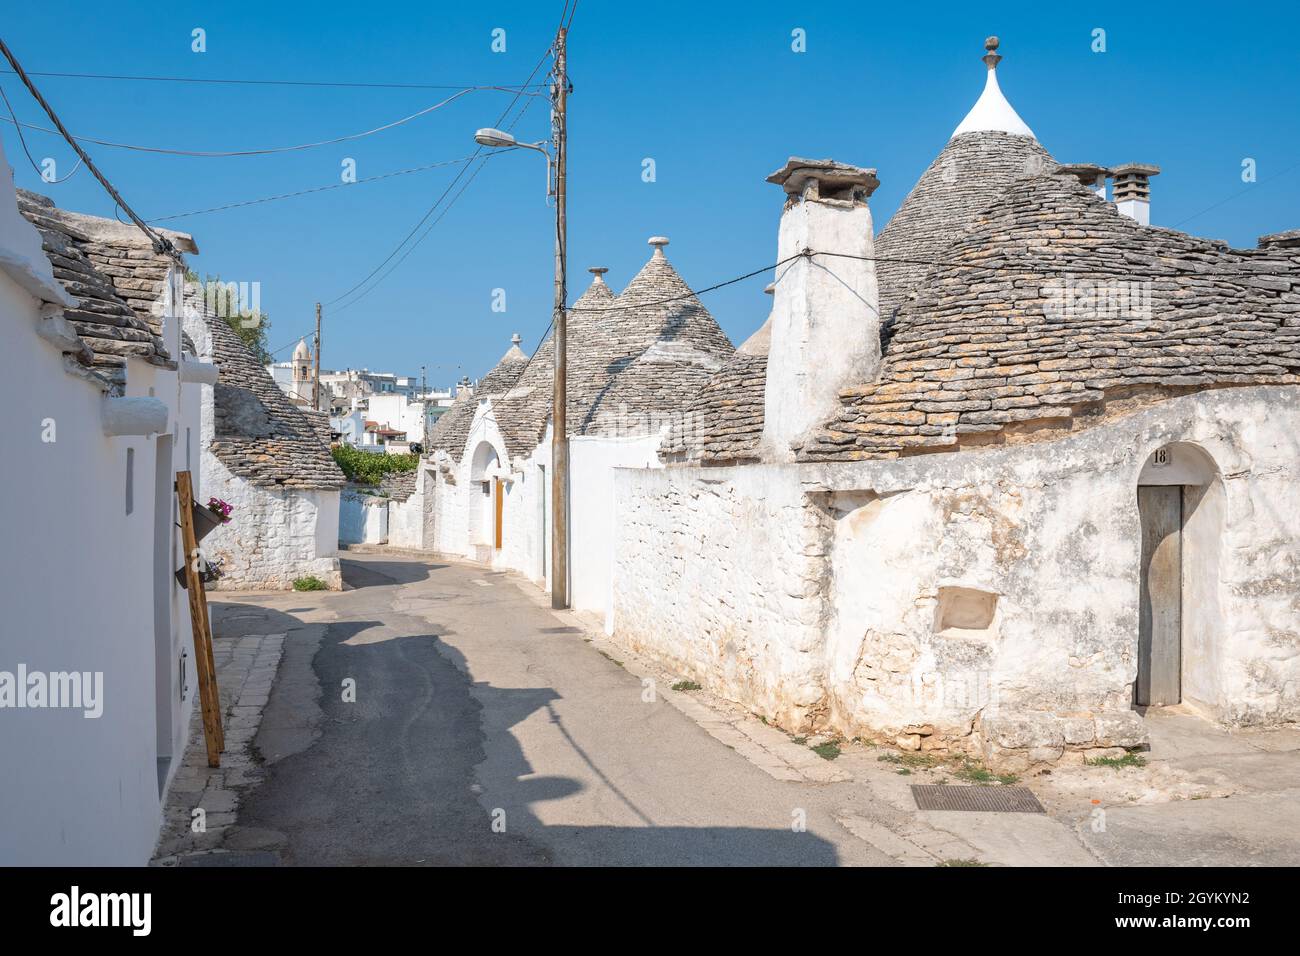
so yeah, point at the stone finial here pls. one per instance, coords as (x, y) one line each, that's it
(992, 57)
(828, 179)
(599, 273)
(658, 242)
(515, 339)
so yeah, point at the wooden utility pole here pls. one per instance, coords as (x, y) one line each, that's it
(315, 388)
(559, 427)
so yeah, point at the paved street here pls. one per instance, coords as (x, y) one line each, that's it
(440, 713)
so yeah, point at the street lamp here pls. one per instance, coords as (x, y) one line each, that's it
(500, 139)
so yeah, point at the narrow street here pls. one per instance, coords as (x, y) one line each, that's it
(438, 713)
(474, 703)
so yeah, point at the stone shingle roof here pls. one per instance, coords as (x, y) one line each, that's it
(723, 422)
(451, 429)
(117, 279)
(967, 175)
(260, 435)
(970, 172)
(1060, 305)
(399, 485)
(634, 360)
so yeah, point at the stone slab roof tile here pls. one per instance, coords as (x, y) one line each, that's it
(1055, 304)
(118, 281)
(260, 435)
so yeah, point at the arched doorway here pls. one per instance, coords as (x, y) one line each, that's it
(1180, 505)
(487, 493)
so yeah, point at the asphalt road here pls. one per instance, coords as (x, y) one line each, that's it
(483, 730)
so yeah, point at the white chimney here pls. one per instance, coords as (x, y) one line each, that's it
(825, 308)
(1132, 190)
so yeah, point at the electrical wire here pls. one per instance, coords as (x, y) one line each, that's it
(430, 211)
(23, 140)
(314, 189)
(266, 151)
(247, 82)
(161, 244)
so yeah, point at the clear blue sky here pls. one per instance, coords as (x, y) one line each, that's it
(712, 92)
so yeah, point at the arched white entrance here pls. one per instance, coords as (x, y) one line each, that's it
(1180, 504)
(486, 493)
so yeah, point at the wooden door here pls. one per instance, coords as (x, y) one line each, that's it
(499, 491)
(1160, 628)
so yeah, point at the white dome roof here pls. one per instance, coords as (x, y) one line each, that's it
(991, 111)
(300, 351)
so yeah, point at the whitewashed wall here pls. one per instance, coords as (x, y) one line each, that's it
(811, 593)
(363, 519)
(465, 520)
(89, 596)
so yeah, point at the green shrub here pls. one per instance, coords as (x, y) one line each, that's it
(309, 583)
(368, 467)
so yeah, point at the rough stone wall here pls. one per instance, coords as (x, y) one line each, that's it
(272, 536)
(720, 573)
(985, 600)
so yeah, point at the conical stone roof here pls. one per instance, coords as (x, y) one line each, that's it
(634, 360)
(451, 429)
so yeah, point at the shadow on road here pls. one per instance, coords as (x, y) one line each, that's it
(390, 773)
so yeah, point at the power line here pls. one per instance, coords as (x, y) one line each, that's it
(221, 154)
(305, 192)
(247, 82)
(23, 140)
(160, 243)
(429, 212)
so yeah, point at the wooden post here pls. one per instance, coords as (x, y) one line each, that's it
(209, 696)
(559, 426)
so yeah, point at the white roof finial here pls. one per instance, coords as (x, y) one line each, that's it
(991, 111)
(658, 242)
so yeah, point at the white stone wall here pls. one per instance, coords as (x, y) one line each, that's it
(92, 592)
(363, 518)
(813, 593)
(465, 518)
(272, 537)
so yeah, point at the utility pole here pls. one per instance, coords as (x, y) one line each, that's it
(315, 388)
(559, 427)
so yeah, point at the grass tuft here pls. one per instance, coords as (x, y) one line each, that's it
(309, 583)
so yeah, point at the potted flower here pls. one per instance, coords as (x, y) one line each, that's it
(208, 519)
(208, 571)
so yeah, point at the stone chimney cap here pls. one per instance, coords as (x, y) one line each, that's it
(1281, 240)
(1135, 169)
(830, 176)
(1087, 172)
(598, 272)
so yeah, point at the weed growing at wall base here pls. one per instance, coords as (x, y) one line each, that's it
(309, 583)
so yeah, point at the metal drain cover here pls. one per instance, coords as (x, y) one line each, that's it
(981, 799)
